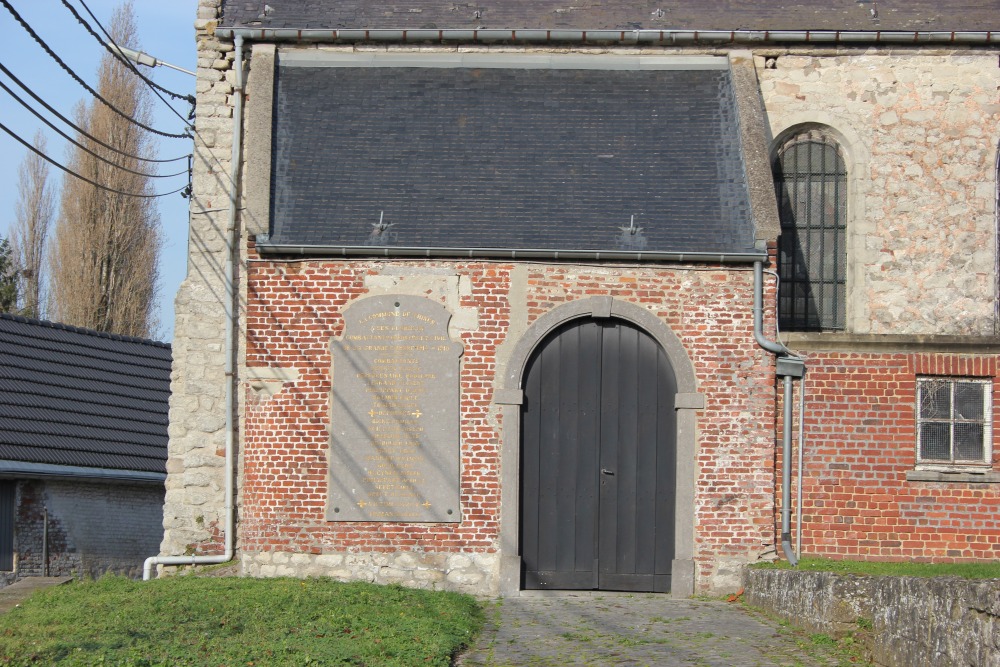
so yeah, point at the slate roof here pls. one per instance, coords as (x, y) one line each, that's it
(76, 397)
(508, 157)
(960, 15)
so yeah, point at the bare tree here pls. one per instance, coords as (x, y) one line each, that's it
(8, 278)
(32, 217)
(104, 253)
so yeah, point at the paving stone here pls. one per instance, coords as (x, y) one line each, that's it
(634, 630)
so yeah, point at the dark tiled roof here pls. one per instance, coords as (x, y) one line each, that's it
(76, 397)
(971, 15)
(511, 158)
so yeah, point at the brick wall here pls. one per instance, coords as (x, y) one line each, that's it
(93, 528)
(861, 442)
(294, 308)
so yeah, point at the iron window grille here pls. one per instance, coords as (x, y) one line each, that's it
(810, 179)
(954, 421)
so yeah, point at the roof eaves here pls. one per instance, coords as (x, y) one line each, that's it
(643, 37)
(81, 330)
(737, 257)
(26, 470)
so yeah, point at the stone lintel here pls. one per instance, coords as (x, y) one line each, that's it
(918, 343)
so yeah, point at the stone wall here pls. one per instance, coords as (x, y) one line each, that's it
(941, 621)
(473, 573)
(919, 129)
(193, 509)
(93, 528)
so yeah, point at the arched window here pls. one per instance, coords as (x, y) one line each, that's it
(810, 179)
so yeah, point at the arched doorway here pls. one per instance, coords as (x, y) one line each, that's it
(598, 460)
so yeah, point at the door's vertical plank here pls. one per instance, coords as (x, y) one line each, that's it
(587, 469)
(647, 451)
(608, 509)
(549, 464)
(564, 528)
(627, 466)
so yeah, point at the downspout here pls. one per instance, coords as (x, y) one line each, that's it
(230, 298)
(45, 542)
(800, 463)
(788, 365)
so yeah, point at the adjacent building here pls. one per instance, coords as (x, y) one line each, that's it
(83, 444)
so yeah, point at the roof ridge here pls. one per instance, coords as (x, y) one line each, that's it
(83, 330)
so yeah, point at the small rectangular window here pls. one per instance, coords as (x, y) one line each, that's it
(954, 421)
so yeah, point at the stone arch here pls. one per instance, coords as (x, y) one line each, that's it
(509, 396)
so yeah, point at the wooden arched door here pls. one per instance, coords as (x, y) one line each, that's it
(598, 466)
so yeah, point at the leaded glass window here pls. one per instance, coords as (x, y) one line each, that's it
(810, 179)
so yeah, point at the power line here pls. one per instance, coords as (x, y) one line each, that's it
(52, 54)
(77, 143)
(191, 127)
(84, 178)
(117, 54)
(76, 127)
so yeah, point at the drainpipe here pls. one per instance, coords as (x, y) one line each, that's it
(45, 542)
(798, 480)
(789, 366)
(230, 298)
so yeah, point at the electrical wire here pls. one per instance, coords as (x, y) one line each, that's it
(68, 70)
(191, 127)
(118, 55)
(84, 178)
(76, 127)
(78, 144)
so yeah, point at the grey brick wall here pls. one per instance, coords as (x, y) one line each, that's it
(93, 528)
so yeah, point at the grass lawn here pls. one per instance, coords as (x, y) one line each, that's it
(236, 621)
(968, 570)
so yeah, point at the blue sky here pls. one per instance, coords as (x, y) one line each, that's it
(166, 31)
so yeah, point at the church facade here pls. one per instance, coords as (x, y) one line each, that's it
(526, 298)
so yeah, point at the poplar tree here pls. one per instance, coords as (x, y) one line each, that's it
(8, 278)
(104, 252)
(32, 217)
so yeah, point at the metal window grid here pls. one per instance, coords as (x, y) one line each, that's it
(810, 179)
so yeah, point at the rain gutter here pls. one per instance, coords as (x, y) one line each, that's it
(228, 304)
(622, 37)
(23, 469)
(506, 253)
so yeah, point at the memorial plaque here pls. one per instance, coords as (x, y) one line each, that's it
(394, 453)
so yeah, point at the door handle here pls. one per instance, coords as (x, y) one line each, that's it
(605, 471)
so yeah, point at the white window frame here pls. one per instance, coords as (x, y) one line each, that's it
(984, 464)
